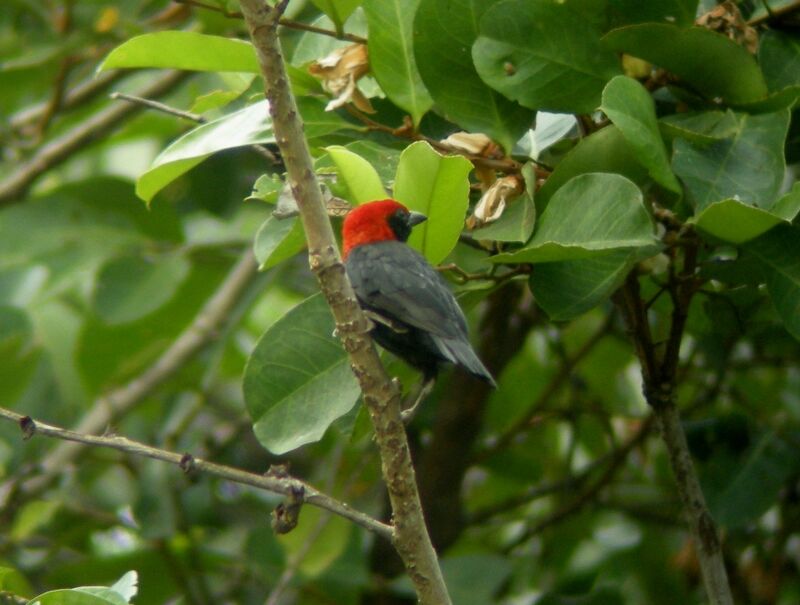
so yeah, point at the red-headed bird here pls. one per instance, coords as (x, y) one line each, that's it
(415, 315)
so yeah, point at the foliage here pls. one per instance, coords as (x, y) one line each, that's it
(553, 489)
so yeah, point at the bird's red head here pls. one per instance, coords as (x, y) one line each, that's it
(378, 221)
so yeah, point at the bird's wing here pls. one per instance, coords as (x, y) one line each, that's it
(391, 278)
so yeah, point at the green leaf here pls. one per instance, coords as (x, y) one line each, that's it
(77, 597)
(630, 107)
(748, 167)
(778, 251)
(278, 240)
(437, 186)
(391, 54)
(18, 355)
(709, 62)
(754, 487)
(592, 213)
(603, 151)
(444, 32)
(569, 288)
(131, 286)
(317, 122)
(736, 222)
(779, 57)
(247, 126)
(544, 55)
(460, 571)
(298, 380)
(626, 12)
(183, 50)
(701, 127)
(337, 10)
(357, 174)
(330, 542)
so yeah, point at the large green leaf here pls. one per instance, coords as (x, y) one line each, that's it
(569, 288)
(444, 31)
(626, 12)
(748, 166)
(543, 54)
(603, 151)
(277, 240)
(778, 250)
(590, 215)
(779, 57)
(298, 379)
(630, 107)
(391, 54)
(437, 186)
(709, 62)
(701, 127)
(247, 126)
(357, 174)
(737, 222)
(184, 50)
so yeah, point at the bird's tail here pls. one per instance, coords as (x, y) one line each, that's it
(461, 353)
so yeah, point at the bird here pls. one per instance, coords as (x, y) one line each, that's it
(413, 312)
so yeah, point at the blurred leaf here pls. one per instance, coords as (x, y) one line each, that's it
(298, 379)
(603, 151)
(77, 597)
(605, 595)
(358, 175)
(473, 579)
(747, 167)
(444, 32)
(709, 62)
(778, 251)
(438, 187)
(391, 54)
(247, 126)
(630, 107)
(329, 542)
(543, 54)
(183, 50)
(592, 213)
(737, 222)
(14, 582)
(277, 240)
(337, 10)
(18, 352)
(235, 85)
(779, 57)
(753, 487)
(33, 517)
(130, 287)
(569, 288)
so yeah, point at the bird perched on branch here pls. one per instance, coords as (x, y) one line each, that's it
(415, 315)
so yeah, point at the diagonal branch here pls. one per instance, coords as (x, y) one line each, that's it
(272, 483)
(59, 150)
(381, 396)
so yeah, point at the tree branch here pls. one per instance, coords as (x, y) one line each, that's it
(660, 383)
(381, 396)
(202, 329)
(188, 463)
(59, 150)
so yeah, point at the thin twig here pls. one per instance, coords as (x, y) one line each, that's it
(381, 397)
(188, 463)
(203, 329)
(162, 107)
(59, 150)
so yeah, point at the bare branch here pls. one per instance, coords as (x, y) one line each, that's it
(381, 396)
(188, 463)
(162, 107)
(59, 150)
(202, 330)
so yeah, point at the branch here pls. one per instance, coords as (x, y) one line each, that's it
(59, 150)
(381, 396)
(188, 463)
(162, 107)
(660, 383)
(203, 329)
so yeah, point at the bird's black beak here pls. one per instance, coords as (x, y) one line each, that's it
(415, 218)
